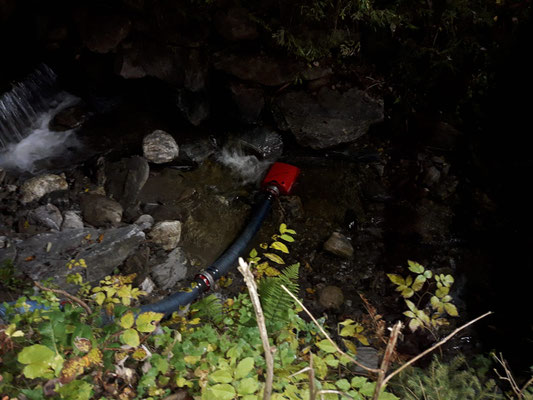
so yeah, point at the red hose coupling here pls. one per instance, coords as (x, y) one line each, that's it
(282, 176)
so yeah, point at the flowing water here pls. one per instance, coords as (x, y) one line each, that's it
(25, 113)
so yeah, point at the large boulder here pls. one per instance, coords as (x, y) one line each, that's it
(46, 255)
(328, 119)
(102, 31)
(159, 147)
(37, 187)
(47, 215)
(100, 211)
(249, 101)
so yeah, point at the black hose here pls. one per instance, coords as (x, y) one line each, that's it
(219, 268)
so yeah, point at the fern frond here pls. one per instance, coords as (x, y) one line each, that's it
(209, 308)
(274, 300)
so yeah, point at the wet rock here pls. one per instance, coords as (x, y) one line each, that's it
(145, 222)
(71, 220)
(49, 252)
(37, 187)
(249, 100)
(431, 176)
(69, 118)
(331, 297)
(235, 24)
(339, 245)
(167, 212)
(368, 356)
(159, 147)
(102, 32)
(292, 206)
(259, 68)
(47, 215)
(137, 263)
(195, 106)
(263, 142)
(126, 178)
(166, 234)
(173, 270)
(100, 211)
(329, 118)
(198, 151)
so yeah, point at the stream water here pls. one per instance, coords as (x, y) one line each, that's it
(392, 202)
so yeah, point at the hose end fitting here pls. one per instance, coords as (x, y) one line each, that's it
(280, 179)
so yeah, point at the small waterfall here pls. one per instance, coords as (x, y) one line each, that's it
(21, 106)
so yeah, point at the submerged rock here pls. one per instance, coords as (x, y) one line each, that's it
(166, 234)
(37, 187)
(173, 270)
(126, 178)
(159, 147)
(47, 215)
(339, 245)
(45, 255)
(100, 211)
(329, 118)
(331, 297)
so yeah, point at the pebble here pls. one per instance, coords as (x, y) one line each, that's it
(331, 297)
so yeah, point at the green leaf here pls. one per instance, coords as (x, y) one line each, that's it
(244, 367)
(388, 396)
(451, 309)
(415, 267)
(409, 314)
(147, 320)
(446, 299)
(408, 280)
(274, 257)
(280, 246)
(343, 384)
(407, 292)
(38, 370)
(76, 390)
(326, 346)
(414, 324)
(418, 283)
(282, 228)
(396, 279)
(435, 302)
(287, 238)
(350, 346)
(221, 391)
(348, 330)
(253, 253)
(442, 291)
(411, 306)
(130, 337)
(248, 386)
(368, 389)
(36, 353)
(428, 274)
(358, 381)
(127, 320)
(221, 376)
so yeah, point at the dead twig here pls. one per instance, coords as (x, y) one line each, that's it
(67, 295)
(327, 336)
(519, 393)
(436, 345)
(389, 351)
(244, 268)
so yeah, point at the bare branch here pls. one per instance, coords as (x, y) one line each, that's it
(327, 336)
(436, 345)
(67, 295)
(389, 351)
(244, 268)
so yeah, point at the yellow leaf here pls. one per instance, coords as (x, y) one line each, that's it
(82, 344)
(396, 279)
(362, 339)
(348, 330)
(127, 320)
(274, 257)
(310, 290)
(99, 298)
(264, 246)
(280, 246)
(451, 309)
(271, 271)
(282, 228)
(191, 359)
(352, 348)
(95, 356)
(139, 354)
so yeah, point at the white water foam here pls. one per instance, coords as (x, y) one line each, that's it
(247, 167)
(40, 143)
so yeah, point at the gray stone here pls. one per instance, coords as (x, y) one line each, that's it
(3, 242)
(166, 234)
(47, 215)
(100, 211)
(37, 187)
(126, 178)
(339, 245)
(329, 118)
(50, 252)
(368, 356)
(144, 222)
(71, 220)
(173, 270)
(147, 285)
(331, 297)
(159, 147)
